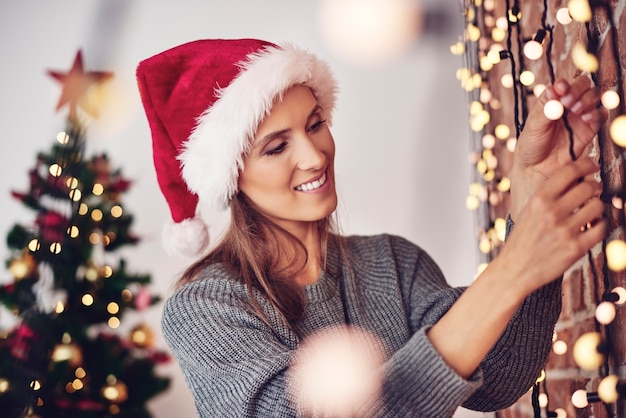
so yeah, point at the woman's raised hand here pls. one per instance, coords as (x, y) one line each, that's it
(559, 224)
(545, 145)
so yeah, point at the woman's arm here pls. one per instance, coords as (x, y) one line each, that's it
(556, 223)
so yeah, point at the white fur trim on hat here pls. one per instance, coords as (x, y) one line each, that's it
(213, 155)
(187, 238)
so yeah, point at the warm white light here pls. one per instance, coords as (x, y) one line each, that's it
(605, 313)
(507, 81)
(337, 372)
(502, 23)
(539, 89)
(553, 109)
(55, 170)
(543, 400)
(457, 48)
(607, 389)
(579, 399)
(579, 10)
(533, 50)
(610, 99)
(563, 17)
(621, 292)
(618, 131)
(616, 255)
(493, 56)
(489, 141)
(98, 189)
(527, 78)
(560, 413)
(502, 131)
(87, 299)
(559, 347)
(369, 30)
(583, 60)
(585, 352)
(63, 138)
(498, 35)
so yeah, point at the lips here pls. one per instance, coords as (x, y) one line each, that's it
(316, 184)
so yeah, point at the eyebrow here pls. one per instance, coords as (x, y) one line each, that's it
(269, 137)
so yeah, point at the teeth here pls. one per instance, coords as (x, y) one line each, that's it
(307, 187)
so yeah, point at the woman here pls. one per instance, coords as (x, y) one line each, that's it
(245, 124)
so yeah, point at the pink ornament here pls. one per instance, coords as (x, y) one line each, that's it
(142, 299)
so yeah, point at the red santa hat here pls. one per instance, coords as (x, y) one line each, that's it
(204, 101)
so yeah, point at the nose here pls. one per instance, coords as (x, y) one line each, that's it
(310, 156)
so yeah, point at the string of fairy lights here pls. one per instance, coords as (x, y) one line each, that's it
(509, 56)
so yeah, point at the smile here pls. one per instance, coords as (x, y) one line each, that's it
(307, 187)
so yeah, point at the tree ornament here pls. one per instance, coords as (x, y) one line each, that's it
(142, 299)
(142, 336)
(115, 392)
(23, 266)
(69, 352)
(76, 82)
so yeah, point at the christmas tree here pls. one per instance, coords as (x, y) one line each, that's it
(60, 355)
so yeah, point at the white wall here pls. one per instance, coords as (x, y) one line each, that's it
(400, 127)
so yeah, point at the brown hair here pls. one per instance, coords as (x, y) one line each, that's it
(254, 249)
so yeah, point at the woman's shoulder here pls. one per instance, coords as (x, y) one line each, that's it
(214, 282)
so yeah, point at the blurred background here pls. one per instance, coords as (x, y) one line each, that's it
(400, 127)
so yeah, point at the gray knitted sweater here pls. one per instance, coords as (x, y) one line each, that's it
(235, 365)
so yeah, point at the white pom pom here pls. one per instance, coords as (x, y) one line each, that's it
(187, 238)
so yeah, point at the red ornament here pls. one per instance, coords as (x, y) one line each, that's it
(76, 82)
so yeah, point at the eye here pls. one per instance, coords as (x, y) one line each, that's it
(316, 126)
(276, 150)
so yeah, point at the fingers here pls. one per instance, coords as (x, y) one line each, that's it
(579, 97)
(570, 174)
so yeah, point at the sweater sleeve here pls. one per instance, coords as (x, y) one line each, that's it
(233, 363)
(512, 366)
(515, 362)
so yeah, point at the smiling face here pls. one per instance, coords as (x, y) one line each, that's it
(288, 173)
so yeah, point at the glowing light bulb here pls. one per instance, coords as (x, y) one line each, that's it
(553, 109)
(616, 255)
(55, 170)
(63, 138)
(493, 56)
(607, 389)
(610, 99)
(527, 78)
(498, 35)
(579, 399)
(583, 60)
(563, 16)
(457, 48)
(618, 130)
(543, 400)
(560, 413)
(87, 299)
(579, 10)
(621, 292)
(539, 89)
(472, 203)
(502, 131)
(585, 352)
(507, 81)
(605, 313)
(533, 50)
(559, 347)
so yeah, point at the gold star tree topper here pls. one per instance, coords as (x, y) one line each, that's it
(76, 85)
